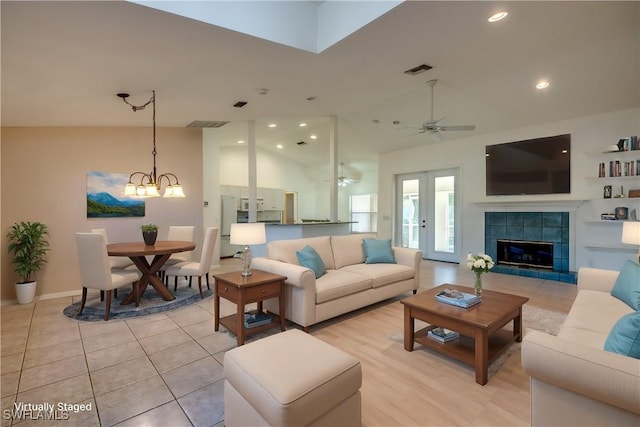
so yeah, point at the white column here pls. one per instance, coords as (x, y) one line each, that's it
(212, 208)
(333, 167)
(253, 180)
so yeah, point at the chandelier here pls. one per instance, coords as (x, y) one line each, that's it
(150, 183)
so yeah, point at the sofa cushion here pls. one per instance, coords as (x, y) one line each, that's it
(382, 274)
(378, 251)
(347, 250)
(624, 338)
(627, 286)
(308, 257)
(285, 250)
(592, 317)
(337, 283)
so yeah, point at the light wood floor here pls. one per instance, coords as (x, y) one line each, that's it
(422, 388)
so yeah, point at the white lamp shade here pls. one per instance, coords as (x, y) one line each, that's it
(152, 190)
(130, 189)
(174, 191)
(247, 234)
(631, 232)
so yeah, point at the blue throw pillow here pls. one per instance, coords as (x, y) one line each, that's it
(624, 338)
(627, 286)
(378, 251)
(308, 257)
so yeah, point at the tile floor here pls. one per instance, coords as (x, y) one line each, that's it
(159, 370)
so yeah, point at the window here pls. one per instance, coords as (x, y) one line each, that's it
(363, 210)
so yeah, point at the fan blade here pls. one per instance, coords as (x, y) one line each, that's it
(436, 136)
(459, 127)
(430, 124)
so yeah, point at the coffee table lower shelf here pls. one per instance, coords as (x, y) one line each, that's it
(231, 323)
(463, 348)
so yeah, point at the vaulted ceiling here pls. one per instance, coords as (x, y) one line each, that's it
(64, 62)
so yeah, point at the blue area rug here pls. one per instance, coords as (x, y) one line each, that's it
(150, 303)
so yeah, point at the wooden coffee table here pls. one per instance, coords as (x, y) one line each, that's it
(480, 327)
(258, 287)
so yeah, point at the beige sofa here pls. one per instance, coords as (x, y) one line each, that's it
(574, 382)
(348, 284)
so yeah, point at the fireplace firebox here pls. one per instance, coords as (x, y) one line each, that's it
(525, 253)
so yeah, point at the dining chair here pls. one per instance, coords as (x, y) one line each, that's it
(199, 269)
(119, 262)
(179, 232)
(96, 271)
(116, 262)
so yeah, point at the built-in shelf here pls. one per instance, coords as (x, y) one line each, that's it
(615, 178)
(605, 246)
(604, 222)
(610, 154)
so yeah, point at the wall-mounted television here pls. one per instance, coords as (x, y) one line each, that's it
(533, 166)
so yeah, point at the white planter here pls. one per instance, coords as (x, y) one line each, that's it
(26, 292)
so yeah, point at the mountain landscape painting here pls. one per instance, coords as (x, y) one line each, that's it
(105, 198)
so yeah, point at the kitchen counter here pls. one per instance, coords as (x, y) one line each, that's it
(299, 231)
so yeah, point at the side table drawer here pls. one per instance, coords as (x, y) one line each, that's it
(227, 290)
(263, 291)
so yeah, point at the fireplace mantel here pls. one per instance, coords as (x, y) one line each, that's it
(557, 203)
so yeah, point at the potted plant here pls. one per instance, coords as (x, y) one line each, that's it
(149, 234)
(28, 245)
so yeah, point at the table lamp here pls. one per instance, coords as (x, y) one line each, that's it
(247, 234)
(631, 234)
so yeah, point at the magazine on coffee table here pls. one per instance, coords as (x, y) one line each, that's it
(461, 299)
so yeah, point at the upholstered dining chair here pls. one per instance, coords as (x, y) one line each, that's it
(179, 232)
(199, 269)
(96, 271)
(118, 262)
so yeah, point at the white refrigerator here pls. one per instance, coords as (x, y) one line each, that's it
(229, 205)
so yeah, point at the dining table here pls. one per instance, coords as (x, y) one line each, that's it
(138, 253)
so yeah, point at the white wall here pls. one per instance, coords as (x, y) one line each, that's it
(589, 135)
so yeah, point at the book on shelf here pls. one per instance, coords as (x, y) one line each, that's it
(442, 334)
(251, 320)
(461, 299)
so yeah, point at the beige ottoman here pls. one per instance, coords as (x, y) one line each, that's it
(291, 379)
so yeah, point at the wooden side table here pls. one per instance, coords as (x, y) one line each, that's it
(258, 287)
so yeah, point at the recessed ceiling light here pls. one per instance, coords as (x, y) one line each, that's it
(272, 125)
(240, 142)
(314, 136)
(302, 125)
(280, 146)
(542, 84)
(498, 16)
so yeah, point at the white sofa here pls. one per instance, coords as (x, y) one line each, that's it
(574, 382)
(348, 284)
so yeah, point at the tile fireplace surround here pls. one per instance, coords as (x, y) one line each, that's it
(531, 226)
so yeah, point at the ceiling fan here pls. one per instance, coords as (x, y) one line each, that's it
(343, 181)
(434, 127)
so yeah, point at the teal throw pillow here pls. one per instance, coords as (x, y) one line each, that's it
(378, 251)
(624, 338)
(308, 257)
(627, 286)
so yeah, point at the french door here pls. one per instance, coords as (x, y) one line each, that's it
(427, 213)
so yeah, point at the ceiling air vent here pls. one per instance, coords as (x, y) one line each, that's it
(419, 69)
(207, 124)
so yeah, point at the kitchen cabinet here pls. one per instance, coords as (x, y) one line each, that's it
(273, 199)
